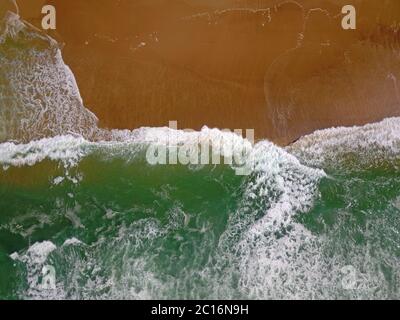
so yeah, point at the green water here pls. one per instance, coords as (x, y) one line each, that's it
(181, 232)
(319, 219)
(171, 216)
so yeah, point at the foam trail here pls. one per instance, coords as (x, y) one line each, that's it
(369, 144)
(265, 249)
(39, 96)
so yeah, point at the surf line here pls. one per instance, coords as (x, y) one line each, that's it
(224, 146)
(169, 311)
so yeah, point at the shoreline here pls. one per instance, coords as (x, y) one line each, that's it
(229, 75)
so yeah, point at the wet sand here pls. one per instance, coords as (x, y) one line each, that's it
(280, 69)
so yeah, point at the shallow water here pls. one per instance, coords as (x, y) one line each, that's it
(112, 226)
(319, 219)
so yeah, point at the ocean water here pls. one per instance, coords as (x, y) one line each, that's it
(319, 219)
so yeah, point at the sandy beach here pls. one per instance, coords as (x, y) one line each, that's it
(100, 201)
(283, 69)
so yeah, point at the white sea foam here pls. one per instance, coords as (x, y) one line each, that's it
(264, 252)
(72, 242)
(127, 144)
(35, 258)
(269, 241)
(58, 180)
(277, 257)
(39, 96)
(38, 252)
(367, 144)
(67, 149)
(264, 249)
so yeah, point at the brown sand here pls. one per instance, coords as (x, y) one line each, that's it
(145, 62)
(7, 5)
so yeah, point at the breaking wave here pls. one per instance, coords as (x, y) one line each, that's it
(84, 203)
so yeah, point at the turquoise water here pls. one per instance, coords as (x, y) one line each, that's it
(114, 227)
(83, 215)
